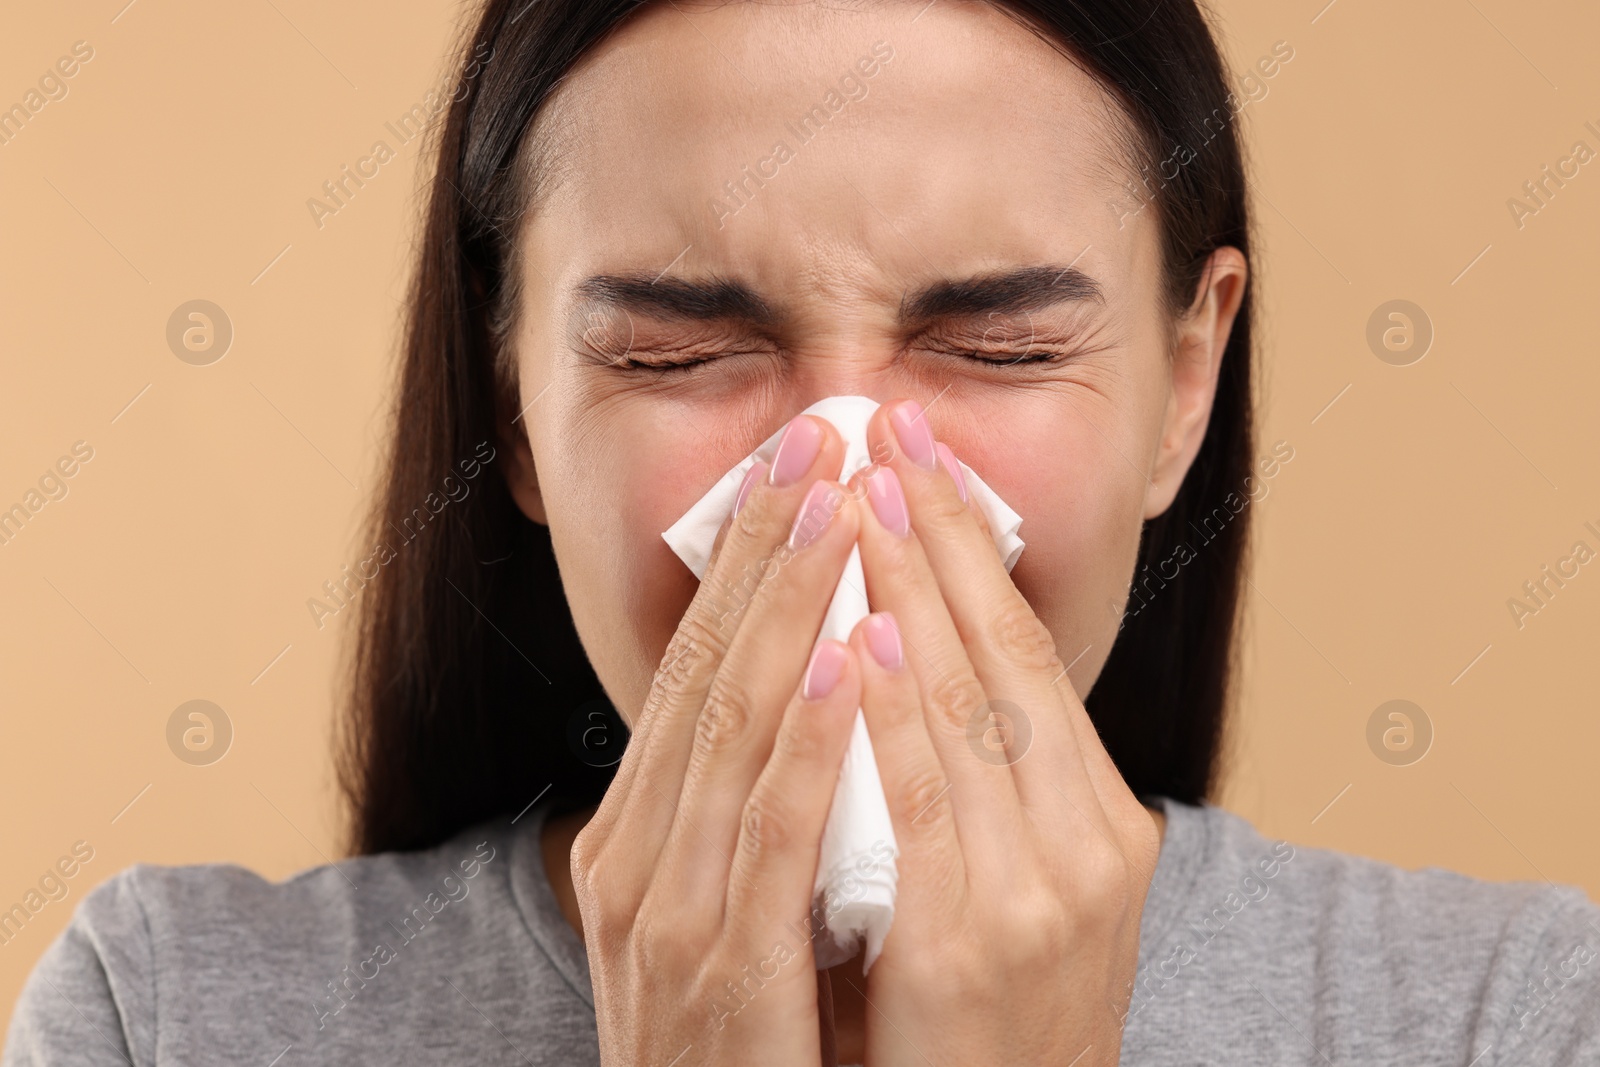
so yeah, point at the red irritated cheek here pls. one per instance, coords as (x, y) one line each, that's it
(687, 449)
(666, 471)
(653, 585)
(1081, 507)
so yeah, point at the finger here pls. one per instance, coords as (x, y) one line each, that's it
(782, 819)
(758, 674)
(757, 472)
(953, 467)
(986, 810)
(1133, 822)
(639, 807)
(1012, 652)
(932, 871)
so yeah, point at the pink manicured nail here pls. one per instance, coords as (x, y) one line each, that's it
(883, 639)
(825, 669)
(912, 431)
(750, 477)
(948, 458)
(889, 501)
(797, 450)
(815, 513)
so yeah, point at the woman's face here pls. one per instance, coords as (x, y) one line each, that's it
(803, 199)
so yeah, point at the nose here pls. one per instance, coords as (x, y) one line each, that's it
(858, 371)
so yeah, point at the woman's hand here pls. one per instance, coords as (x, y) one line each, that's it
(695, 874)
(1022, 880)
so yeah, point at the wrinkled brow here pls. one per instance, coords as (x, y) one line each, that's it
(1010, 291)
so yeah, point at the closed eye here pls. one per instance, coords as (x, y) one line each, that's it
(1004, 360)
(665, 367)
(1022, 351)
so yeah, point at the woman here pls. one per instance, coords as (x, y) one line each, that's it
(655, 234)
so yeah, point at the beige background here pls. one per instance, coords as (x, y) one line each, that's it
(220, 497)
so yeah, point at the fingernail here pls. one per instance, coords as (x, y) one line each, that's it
(815, 513)
(883, 639)
(797, 450)
(948, 458)
(750, 477)
(825, 669)
(912, 431)
(889, 501)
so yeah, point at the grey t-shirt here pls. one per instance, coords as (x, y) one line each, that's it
(1252, 951)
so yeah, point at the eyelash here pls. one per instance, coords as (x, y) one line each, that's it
(667, 368)
(1042, 356)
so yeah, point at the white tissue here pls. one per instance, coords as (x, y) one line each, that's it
(856, 875)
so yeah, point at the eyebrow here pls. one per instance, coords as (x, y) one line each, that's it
(1022, 289)
(676, 298)
(1008, 291)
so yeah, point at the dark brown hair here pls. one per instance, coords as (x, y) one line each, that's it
(471, 693)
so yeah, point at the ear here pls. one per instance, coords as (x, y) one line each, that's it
(1201, 338)
(521, 477)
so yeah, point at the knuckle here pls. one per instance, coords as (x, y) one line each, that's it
(735, 585)
(1105, 881)
(585, 853)
(944, 508)
(927, 962)
(761, 517)
(662, 942)
(799, 739)
(1041, 925)
(601, 906)
(1022, 634)
(766, 829)
(697, 641)
(1141, 841)
(1106, 861)
(925, 799)
(693, 647)
(983, 520)
(954, 698)
(962, 961)
(1146, 851)
(607, 915)
(903, 569)
(725, 717)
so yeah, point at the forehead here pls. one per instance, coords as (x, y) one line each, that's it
(797, 145)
